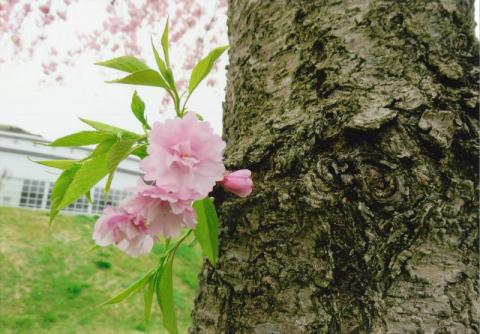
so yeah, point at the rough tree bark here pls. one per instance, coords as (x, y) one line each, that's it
(359, 121)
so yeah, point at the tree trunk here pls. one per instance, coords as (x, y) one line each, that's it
(359, 122)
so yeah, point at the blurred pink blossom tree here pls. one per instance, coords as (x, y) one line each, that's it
(123, 26)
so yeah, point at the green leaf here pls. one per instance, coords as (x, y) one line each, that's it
(206, 231)
(102, 127)
(102, 148)
(90, 173)
(138, 285)
(106, 190)
(60, 189)
(148, 298)
(169, 77)
(165, 44)
(140, 151)
(119, 151)
(60, 164)
(88, 195)
(138, 109)
(204, 67)
(143, 78)
(82, 138)
(193, 243)
(126, 64)
(162, 67)
(165, 297)
(164, 71)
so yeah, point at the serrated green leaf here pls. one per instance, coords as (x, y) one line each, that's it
(138, 109)
(60, 189)
(143, 78)
(82, 138)
(165, 297)
(138, 285)
(102, 127)
(165, 44)
(206, 230)
(126, 64)
(204, 67)
(148, 298)
(60, 164)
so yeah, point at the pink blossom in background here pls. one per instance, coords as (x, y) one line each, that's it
(121, 22)
(211, 82)
(185, 157)
(124, 231)
(44, 9)
(62, 15)
(238, 182)
(16, 41)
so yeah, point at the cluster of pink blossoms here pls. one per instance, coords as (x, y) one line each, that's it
(184, 163)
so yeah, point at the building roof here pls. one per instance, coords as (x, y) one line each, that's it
(18, 141)
(15, 129)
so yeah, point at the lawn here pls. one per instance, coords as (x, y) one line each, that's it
(49, 284)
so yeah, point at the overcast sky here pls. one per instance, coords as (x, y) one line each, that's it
(52, 110)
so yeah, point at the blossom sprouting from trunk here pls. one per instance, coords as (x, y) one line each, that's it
(238, 182)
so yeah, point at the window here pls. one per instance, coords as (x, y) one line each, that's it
(50, 187)
(32, 193)
(80, 205)
(114, 198)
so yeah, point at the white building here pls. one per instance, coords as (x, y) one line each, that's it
(24, 183)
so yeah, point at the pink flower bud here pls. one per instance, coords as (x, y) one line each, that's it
(238, 182)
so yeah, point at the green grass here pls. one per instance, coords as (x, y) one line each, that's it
(48, 284)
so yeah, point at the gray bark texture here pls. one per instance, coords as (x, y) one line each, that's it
(359, 122)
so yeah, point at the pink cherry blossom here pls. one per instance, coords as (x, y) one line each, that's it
(123, 230)
(44, 9)
(185, 157)
(238, 182)
(163, 212)
(163, 219)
